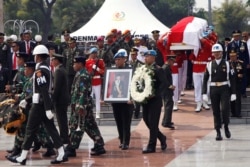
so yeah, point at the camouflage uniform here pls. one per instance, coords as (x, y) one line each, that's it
(82, 118)
(18, 81)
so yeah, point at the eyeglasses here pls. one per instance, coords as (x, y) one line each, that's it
(244, 36)
(13, 46)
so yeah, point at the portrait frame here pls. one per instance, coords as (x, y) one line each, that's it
(117, 85)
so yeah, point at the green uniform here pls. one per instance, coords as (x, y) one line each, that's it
(82, 118)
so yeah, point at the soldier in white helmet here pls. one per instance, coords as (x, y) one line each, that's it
(222, 89)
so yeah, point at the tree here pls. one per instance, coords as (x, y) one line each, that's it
(231, 16)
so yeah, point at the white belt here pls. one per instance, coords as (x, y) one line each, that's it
(218, 83)
(199, 62)
(97, 76)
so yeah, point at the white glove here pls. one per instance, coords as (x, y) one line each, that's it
(94, 67)
(49, 114)
(23, 103)
(233, 97)
(205, 98)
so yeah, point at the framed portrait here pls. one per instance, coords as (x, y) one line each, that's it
(117, 85)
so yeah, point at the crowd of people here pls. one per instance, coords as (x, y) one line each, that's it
(46, 79)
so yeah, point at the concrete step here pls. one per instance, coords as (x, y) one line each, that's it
(242, 120)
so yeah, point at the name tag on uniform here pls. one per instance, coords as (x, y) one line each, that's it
(35, 98)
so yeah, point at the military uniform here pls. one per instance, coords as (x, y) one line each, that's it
(41, 102)
(241, 49)
(154, 103)
(135, 64)
(64, 45)
(238, 67)
(122, 111)
(69, 55)
(222, 85)
(168, 96)
(81, 118)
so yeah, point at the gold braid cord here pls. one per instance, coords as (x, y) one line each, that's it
(7, 102)
(12, 127)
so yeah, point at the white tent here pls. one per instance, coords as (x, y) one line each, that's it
(122, 15)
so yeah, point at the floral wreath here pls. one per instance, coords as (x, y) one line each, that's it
(142, 84)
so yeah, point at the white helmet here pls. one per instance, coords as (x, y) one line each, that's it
(217, 48)
(40, 49)
(38, 38)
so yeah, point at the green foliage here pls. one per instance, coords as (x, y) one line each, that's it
(231, 16)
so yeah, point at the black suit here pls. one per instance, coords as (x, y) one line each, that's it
(23, 48)
(61, 100)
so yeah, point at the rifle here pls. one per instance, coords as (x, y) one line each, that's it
(117, 43)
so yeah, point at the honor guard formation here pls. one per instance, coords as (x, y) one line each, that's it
(71, 83)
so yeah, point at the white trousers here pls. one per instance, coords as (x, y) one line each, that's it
(176, 91)
(97, 91)
(198, 80)
(183, 76)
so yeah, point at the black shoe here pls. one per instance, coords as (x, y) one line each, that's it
(227, 132)
(15, 152)
(98, 151)
(163, 143)
(13, 159)
(244, 96)
(55, 161)
(218, 136)
(49, 152)
(36, 147)
(10, 151)
(170, 126)
(148, 150)
(125, 147)
(70, 153)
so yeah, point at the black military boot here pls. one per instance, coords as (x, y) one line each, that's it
(70, 152)
(218, 136)
(15, 152)
(98, 149)
(227, 132)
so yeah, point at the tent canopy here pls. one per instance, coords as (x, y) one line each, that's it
(120, 14)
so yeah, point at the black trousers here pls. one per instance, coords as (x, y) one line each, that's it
(123, 115)
(169, 104)
(236, 105)
(151, 115)
(220, 101)
(37, 116)
(62, 119)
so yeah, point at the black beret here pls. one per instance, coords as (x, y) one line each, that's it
(22, 55)
(2, 34)
(80, 59)
(30, 64)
